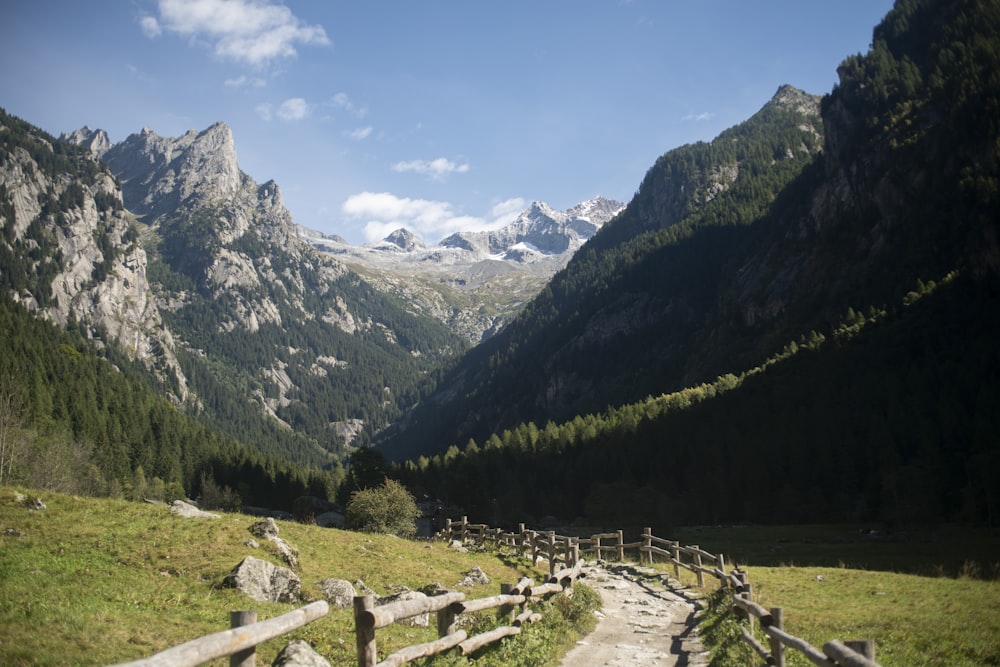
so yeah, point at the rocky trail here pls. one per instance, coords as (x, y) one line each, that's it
(646, 619)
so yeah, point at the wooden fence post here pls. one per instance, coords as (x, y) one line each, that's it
(596, 539)
(519, 540)
(365, 631)
(248, 657)
(445, 622)
(576, 551)
(646, 554)
(720, 565)
(447, 530)
(621, 547)
(697, 564)
(552, 552)
(777, 648)
(535, 548)
(506, 611)
(465, 528)
(675, 549)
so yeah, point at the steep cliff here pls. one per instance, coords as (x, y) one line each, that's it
(70, 250)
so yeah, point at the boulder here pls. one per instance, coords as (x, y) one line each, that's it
(298, 653)
(189, 511)
(331, 519)
(264, 581)
(265, 529)
(473, 577)
(338, 592)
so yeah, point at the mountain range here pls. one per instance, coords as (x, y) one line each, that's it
(475, 282)
(817, 284)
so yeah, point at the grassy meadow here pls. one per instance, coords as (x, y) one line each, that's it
(100, 581)
(926, 597)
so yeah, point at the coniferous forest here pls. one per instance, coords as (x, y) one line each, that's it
(794, 322)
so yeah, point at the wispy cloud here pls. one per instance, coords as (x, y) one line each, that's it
(438, 169)
(384, 212)
(249, 31)
(245, 82)
(360, 133)
(344, 102)
(292, 109)
(698, 117)
(295, 108)
(150, 26)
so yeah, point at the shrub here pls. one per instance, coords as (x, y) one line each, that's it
(389, 509)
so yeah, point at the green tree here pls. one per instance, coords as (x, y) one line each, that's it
(389, 508)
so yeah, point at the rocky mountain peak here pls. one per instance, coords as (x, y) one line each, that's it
(96, 140)
(404, 239)
(162, 173)
(792, 99)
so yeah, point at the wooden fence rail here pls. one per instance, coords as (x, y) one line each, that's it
(238, 644)
(368, 618)
(531, 543)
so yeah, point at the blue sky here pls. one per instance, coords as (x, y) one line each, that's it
(438, 115)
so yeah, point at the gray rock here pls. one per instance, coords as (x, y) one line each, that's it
(338, 592)
(33, 503)
(265, 529)
(363, 589)
(189, 511)
(473, 577)
(298, 653)
(331, 519)
(264, 581)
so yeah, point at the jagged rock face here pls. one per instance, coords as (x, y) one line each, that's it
(96, 141)
(162, 174)
(101, 280)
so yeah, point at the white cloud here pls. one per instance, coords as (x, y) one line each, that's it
(294, 108)
(249, 31)
(264, 110)
(704, 115)
(245, 82)
(344, 102)
(150, 26)
(360, 133)
(438, 169)
(384, 212)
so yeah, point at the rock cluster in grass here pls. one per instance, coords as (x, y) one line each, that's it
(268, 530)
(189, 511)
(264, 581)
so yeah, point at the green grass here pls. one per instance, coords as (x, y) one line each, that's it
(100, 581)
(928, 597)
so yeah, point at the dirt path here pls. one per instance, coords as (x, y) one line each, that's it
(641, 623)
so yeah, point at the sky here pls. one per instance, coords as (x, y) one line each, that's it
(438, 116)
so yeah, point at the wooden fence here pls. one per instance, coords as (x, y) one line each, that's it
(240, 642)
(556, 548)
(512, 603)
(563, 555)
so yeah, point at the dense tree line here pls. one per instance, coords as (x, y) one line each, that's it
(103, 413)
(889, 417)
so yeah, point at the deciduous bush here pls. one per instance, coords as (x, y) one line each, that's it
(389, 509)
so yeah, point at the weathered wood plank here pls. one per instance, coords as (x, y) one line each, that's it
(226, 643)
(411, 653)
